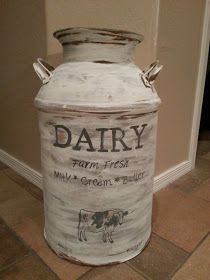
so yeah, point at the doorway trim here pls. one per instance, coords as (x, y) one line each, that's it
(204, 48)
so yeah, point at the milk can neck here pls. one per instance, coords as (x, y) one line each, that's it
(101, 53)
(98, 45)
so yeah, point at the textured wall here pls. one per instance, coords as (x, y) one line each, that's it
(22, 28)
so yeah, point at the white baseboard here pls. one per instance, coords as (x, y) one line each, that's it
(160, 181)
(171, 174)
(21, 168)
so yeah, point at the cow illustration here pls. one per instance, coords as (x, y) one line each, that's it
(105, 222)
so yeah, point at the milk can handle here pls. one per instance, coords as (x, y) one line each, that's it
(149, 75)
(43, 70)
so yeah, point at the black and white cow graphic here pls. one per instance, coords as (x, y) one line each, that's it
(105, 222)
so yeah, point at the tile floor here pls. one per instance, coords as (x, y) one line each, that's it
(179, 248)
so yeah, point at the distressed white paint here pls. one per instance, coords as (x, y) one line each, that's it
(106, 204)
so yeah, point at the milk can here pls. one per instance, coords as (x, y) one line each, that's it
(97, 119)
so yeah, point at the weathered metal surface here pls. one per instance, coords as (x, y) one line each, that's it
(98, 128)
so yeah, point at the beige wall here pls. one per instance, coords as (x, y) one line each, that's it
(135, 15)
(26, 32)
(179, 37)
(22, 27)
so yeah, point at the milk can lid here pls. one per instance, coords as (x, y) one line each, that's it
(76, 35)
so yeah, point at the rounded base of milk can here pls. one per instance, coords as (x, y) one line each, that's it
(117, 260)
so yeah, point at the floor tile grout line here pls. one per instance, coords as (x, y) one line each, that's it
(173, 272)
(146, 277)
(15, 233)
(81, 276)
(191, 194)
(126, 263)
(31, 250)
(14, 225)
(23, 187)
(200, 242)
(46, 264)
(190, 254)
(30, 253)
(178, 268)
(188, 195)
(159, 236)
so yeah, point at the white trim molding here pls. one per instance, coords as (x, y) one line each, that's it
(171, 174)
(21, 168)
(160, 181)
(204, 48)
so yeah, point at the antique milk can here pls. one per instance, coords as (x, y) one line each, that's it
(97, 119)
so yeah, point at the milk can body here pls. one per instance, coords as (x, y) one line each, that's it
(97, 119)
